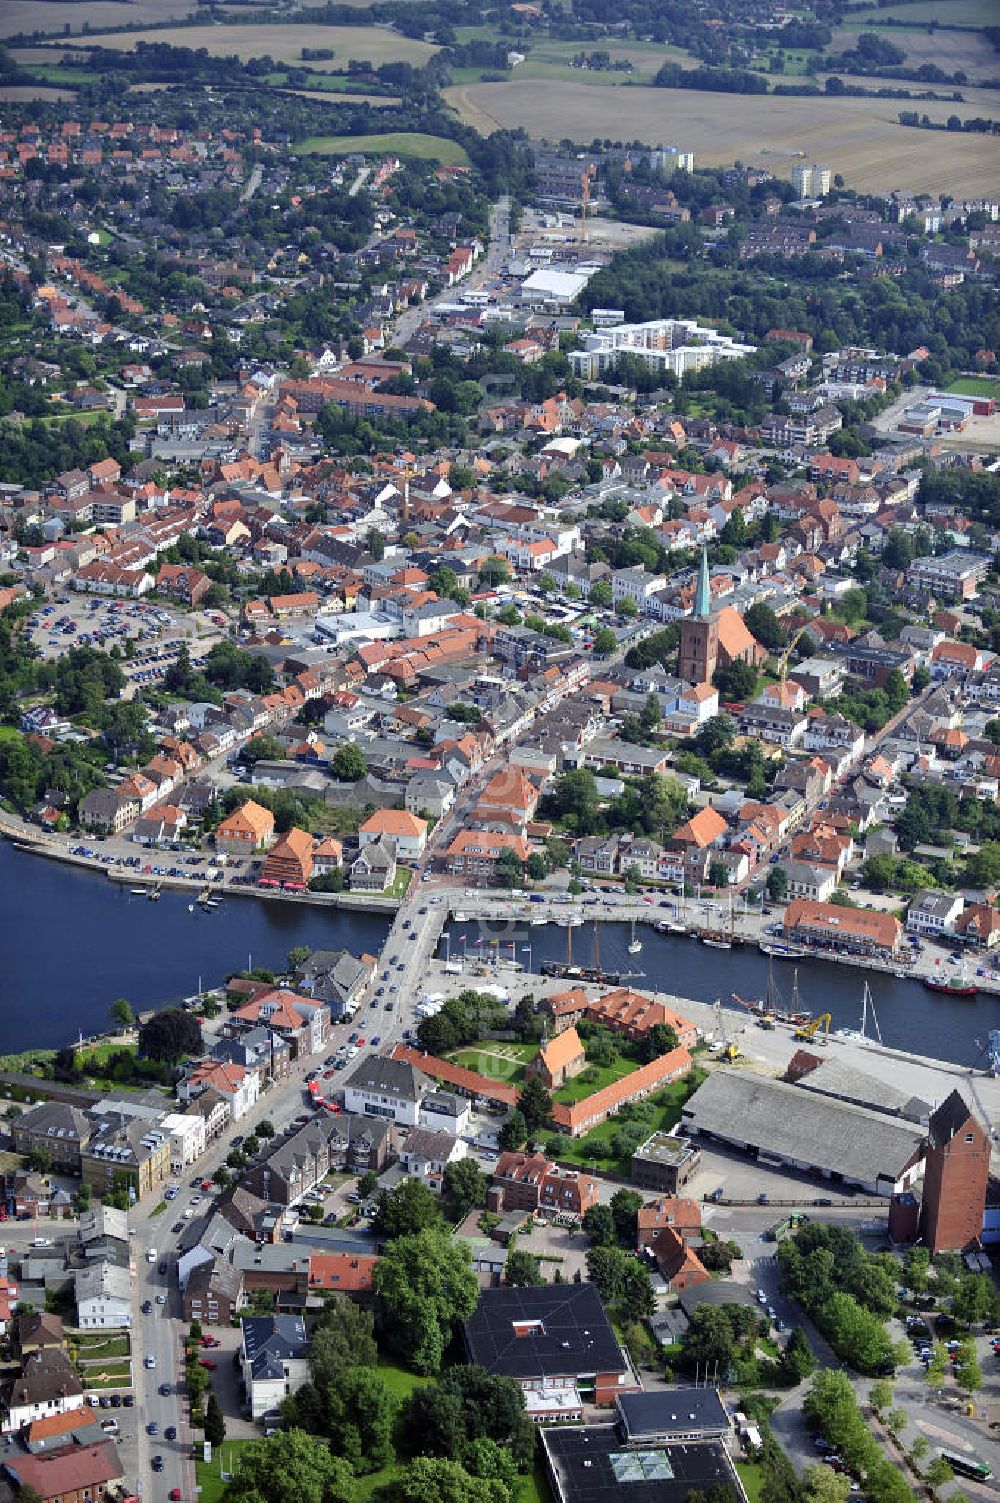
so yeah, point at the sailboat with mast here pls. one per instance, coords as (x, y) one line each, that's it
(634, 944)
(771, 1008)
(861, 1035)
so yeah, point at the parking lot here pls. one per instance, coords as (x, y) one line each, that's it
(152, 633)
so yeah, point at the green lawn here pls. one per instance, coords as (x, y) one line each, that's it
(108, 1346)
(366, 1487)
(500, 1062)
(400, 883)
(207, 1474)
(535, 1487)
(93, 1059)
(398, 1379)
(402, 143)
(594, 1148)
(976, 386)
(751, 1474)
(10, 733)
(593, 1078)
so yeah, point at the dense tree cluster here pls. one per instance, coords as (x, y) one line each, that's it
(847, 1292)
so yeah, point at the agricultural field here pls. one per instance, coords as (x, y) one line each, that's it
(402, 143)
(334, 96)
(17, 93)
(50, 16)
(860, 138)
(283, 42)
(954, 51)
(945, 12)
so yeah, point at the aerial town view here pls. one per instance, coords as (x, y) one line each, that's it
(500, 751)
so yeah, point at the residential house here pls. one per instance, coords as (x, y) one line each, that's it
(326, 1143)
(374, 868)
(933, 912)
(48, 1384)
(55, 1129)
(249, 829)
(103, 1294)
(213, 1293)
(274, 1356)
(239, 1086)
(389, 1088)
(474, 854)
(70, 1473)
(406, 832)
(303, 1021)
(426, 1152)
(531, 1182)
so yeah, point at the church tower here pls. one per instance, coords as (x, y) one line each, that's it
(698, 655)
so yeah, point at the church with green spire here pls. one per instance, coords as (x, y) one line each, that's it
(712, 638)
(698, 655)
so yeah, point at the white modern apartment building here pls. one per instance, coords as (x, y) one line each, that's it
(665, 344)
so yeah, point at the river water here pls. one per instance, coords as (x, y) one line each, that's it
(71, 942)
(910, 1017)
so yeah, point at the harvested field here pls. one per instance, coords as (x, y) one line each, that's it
(947, 12)
(954, 51)
(858, 137)
(282, 42)
(15, 93)
(401, 143)
(27, 16)
(328, 96)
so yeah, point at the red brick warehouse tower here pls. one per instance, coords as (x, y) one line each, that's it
(955, 1178)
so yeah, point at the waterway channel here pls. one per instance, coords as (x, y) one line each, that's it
(70, 942)
(911, 1018)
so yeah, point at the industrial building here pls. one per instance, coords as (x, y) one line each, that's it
(784, 1125)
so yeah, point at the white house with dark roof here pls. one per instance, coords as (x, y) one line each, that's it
(275, 1358)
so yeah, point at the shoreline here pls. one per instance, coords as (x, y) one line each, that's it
(460, 901)
(41, 845)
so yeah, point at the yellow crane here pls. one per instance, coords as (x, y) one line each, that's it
(584, 201)
(812, 1028)
(786, 655)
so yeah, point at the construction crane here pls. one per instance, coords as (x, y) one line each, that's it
(730, 1041)
(811, 1029)
(584, 201)
(786, 655)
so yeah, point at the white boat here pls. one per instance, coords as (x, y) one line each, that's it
(634, 945)
(461, 917)
(191, 907)
(138, 892)
(538, 923)
(718, 944)
(212, 903)
(860, 1035)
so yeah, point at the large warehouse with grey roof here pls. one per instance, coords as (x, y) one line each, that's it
(780, 1123)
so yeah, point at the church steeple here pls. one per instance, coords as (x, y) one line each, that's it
(703, 595)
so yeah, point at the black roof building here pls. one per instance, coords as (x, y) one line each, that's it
(592, 1464)
(672, 1414)
(552, 1331)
